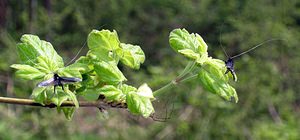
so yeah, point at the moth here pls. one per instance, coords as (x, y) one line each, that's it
(56, 80)
(229, 63)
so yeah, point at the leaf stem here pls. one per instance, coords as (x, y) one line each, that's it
(188, 68)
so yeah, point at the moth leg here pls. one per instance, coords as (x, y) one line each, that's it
(233, 75)
(227, 71)
(62, 87)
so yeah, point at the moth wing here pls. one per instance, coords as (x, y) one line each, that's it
(70, 79)
(48, 82)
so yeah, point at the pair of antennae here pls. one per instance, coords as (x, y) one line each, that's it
(247, 51)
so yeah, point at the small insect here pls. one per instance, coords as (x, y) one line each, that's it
(56, 80)
(229, 63)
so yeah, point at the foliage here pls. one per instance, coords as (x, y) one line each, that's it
(41, 61)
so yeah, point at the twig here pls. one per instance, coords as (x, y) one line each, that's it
(98, 103)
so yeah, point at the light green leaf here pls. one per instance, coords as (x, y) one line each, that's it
(187, 44)
(27, 72)
(126, 89)
(27, 53)
(103, 44)
(59, 98)
(74, 70)
(39, 95)
(38, 48)
(145, 91)
(139, 105)
(73, 97)
(189, 53)
(131, 55)
(90, 94)
(69, 112)
(108, 72)
(213, 79)
(46, 65)
(112, 93)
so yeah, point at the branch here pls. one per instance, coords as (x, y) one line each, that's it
(101, 104)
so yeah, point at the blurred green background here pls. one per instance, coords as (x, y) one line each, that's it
(268, 78)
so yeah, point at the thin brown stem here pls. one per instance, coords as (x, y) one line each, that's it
(29, 102)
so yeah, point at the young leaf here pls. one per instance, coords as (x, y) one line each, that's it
(131, 55)
(181, 39)
(39, 95)
(74, 70)
(138, 101)
(112, 93)
(27, 72)
(145, 91)
(90, 94)
(139, 105)
(72, 96)
(38, 48)
(69, 112)
(109, 72)
(213, 79)
(46, 65)
(189, 53)
(27, 53)
(103, 44)
(59, 98)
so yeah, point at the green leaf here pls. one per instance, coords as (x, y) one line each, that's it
(59, 98)
(138, 101)
(213, 79)
(189, 53)
(109, 72)
(131, 55)
(103, 44)
(46, 65)
(32, 47)
(145, 91)
(69, 112)
(73, 97)
(27, 53)
(112, 93)
(90, 94)
(139, 105)
(27, 72)
(187, 44)
(74, 70)
(39, 95)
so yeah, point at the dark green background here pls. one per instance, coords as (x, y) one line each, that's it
(268, 78)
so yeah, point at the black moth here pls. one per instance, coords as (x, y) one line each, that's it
(56, 80)
(229, 63)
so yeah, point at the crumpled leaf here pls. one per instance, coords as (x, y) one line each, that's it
(68, 111)
(109, 72)
(39, 95)
(213, 79)
(27, 72)
(112, 93)
(187, 44)
(32, 47)
(103, 45)
(145, 91)
(131, 55)
(138, 103)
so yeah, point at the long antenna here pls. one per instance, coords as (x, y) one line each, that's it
(251, 49)
(81, 49)
(77, 53)
(220, 37)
